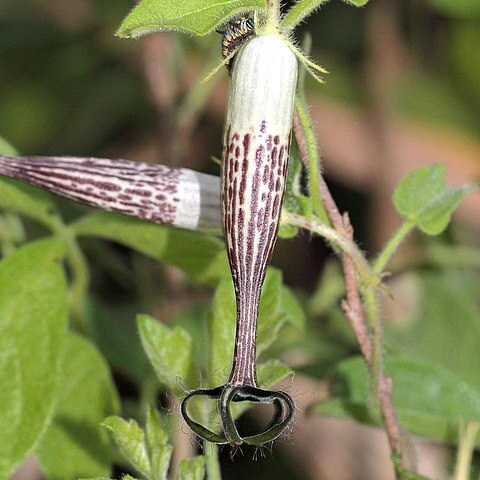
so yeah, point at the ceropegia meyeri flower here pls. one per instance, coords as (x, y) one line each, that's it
(172, 196)
(256, 145)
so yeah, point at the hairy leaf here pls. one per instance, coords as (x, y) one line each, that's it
(130, 440)
(169, 352)
(192, 469)
(199, 17)
(160, 452)
(424, 199)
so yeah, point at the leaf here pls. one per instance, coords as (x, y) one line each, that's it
(439, 401)
(6, 148)
(130, 440)
(443, 325)
(425, 200)
(28, 201)
(87, 395)
(160, 452)
(356, 3)
(457, 8)
(272, 372)
(277, 306)
(169, 352)
(192, 469)
(33, 322)
(200, 256)
(199, 17)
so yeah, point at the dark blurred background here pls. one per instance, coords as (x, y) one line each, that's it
(403, 91)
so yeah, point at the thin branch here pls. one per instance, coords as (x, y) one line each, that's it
(355, 313)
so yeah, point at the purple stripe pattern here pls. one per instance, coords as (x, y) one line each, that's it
(256, 145)
(156, 193)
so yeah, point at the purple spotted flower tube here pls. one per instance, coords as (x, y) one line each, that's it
(256, 146)
(170, 196)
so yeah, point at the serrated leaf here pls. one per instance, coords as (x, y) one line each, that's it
(441, 398)
(192, 469)
(87, 396)
(199, 17)
(277, 306)
(33, 323)
(130, 440)
(28, 201)
(424, 199)
(200, 256)
(160, 452)
(169, 351)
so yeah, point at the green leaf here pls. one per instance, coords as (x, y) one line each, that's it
(428, 398)
(199, 17)
(200, 256)
(33, 322)
(457, 8)
(277, 306)
(6, 148)
(426, 201)
(445, 314)
(169, 352)
(356, 3)
(86, 396)
(192, 469)
(272, 372)
(28, 201)
(130, 440)
(160, 452)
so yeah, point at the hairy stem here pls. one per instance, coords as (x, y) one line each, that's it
(335, 238)
(391, 247)
(308, 148)
(364, 319)
(210, 451)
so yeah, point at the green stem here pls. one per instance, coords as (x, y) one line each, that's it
(272, 17)
(391, 246)
(365, 273)
(211, 459)
(313, 155)
(468, 435)
(79, 285)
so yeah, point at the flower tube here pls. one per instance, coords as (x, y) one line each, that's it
(256, 145)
